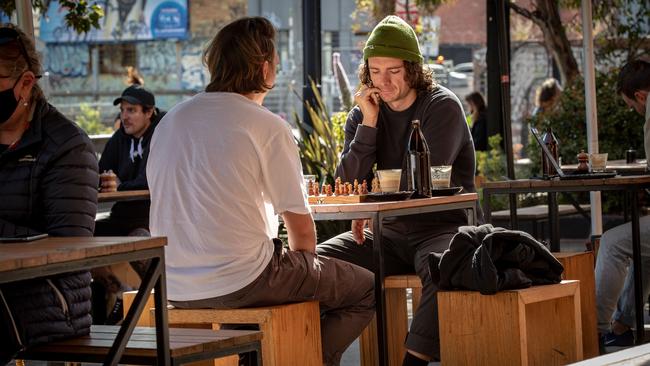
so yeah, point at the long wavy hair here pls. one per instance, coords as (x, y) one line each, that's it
(236, 55)
(418, 76)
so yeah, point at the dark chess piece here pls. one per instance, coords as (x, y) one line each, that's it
(583, 160)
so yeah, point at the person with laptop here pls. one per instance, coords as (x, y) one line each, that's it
(614, 273)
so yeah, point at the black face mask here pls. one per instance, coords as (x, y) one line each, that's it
(8, 102)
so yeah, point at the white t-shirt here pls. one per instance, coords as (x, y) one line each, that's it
(220, 170)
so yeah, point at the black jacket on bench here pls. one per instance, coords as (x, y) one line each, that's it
(48, 184)
(489, 259)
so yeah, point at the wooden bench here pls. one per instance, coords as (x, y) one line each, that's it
(540, 325)
(290, 332)
(186, 345)
(537, 214)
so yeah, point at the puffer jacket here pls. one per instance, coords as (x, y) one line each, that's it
(489, 259)
(48, 184)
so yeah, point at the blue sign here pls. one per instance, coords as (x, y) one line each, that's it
(135, 20)
(169, 20)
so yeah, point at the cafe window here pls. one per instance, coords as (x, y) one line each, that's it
(114, 58)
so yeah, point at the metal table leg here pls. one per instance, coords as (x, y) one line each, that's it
(514, 222)
(636, 258)
(154, 274)
(553, 222)
(378, 258)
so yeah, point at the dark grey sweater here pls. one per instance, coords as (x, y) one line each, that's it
(444, 127)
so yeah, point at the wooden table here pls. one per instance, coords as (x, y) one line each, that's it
(55, 255)
(377, 212)
(620, 166)
(123, 196)
(630, 184)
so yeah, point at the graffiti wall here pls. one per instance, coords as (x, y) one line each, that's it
(68, 60)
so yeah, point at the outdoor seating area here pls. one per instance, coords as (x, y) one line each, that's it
(324, 183)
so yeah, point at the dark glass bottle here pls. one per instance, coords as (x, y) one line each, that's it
(551, 143)
(418, 166)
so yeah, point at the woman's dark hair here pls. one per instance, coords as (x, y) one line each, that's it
(634, 76)
(236, 55)
(13, 59)
(418, 76)
(476, 99)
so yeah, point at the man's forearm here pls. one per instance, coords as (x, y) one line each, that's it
(301, 231)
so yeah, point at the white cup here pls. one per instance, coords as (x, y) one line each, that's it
(440, 176)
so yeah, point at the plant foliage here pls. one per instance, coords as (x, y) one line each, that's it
(321, 144)
(89, 120)
(81, 16)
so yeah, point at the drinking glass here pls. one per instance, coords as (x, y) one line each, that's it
(598, 162)
(440, 176)
(389, 179)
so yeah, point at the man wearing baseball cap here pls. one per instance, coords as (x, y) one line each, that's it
(123, 166)
(396, 88)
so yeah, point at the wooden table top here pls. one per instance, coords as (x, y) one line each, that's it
(618, 165)
(123, 196)
(391, 205)
(63, 249)
(541, 183)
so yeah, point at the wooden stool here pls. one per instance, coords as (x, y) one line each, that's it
(540, 325)
(580, 266)
(290, 333)
(396, 321)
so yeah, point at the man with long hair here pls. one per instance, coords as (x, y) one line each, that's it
(396, 88)
(222, 168)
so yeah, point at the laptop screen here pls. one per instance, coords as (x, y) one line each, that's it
(546, 152)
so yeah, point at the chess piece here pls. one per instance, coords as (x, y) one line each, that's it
(583, 160)
(310, 190)
(364, 187)
(375, 185)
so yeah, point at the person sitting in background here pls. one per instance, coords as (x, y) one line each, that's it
(126, 155)
(547, 97)
(478, 111)
(123, 165)
(48, 184)
(614, 270)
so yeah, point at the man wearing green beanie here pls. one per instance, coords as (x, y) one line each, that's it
(396, 88)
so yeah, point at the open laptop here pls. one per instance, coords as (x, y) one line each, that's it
(560, 174)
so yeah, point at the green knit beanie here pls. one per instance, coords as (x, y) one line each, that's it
(393, 37)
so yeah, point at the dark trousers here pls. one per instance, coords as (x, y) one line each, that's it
(345, 293)
(406, 248)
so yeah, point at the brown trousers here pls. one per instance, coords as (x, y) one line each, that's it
(344, 290)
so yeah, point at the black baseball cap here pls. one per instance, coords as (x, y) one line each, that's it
(136, 94)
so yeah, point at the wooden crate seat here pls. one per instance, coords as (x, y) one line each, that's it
(540, 325)
(290, 332)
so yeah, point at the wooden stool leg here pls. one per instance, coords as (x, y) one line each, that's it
(396, 324)
(368, 344)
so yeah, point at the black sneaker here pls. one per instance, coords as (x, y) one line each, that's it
(625, 339)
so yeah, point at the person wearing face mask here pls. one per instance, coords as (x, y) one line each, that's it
(48, 185)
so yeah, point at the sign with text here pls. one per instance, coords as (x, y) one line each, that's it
(124, 20)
